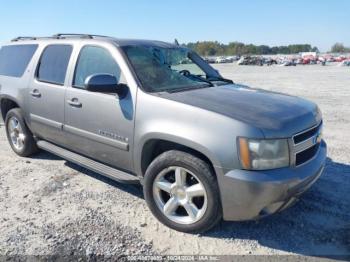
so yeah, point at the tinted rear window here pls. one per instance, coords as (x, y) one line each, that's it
(14, 59)
(53, 64)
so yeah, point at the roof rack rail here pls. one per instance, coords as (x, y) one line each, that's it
(19, 38)
(56, 36)
(60, 36)
(23, 38)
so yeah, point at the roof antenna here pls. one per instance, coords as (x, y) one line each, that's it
(176, 42)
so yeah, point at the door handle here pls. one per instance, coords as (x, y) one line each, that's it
(74, 102)
(35, 93)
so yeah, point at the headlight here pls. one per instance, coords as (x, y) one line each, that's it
(318, 115)
(320, 134)
(262, 154)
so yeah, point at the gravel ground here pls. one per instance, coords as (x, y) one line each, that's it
(53, 207)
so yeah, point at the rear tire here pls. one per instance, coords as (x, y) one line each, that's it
(18, 134)
(182, 192)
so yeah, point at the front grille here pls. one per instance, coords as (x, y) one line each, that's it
(306, 145)
(306, 155)
(306, 135)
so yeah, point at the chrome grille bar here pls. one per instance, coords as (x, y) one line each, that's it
(301, 146)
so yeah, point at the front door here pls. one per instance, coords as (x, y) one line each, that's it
(46, 93)
(99, 125)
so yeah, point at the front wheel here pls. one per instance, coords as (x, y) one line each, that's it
(182, 192)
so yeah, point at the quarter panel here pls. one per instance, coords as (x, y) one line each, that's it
(15, 88)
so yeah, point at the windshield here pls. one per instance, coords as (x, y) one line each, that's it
(168, 69)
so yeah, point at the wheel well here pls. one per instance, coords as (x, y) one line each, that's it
(6, 105)
(155, 147)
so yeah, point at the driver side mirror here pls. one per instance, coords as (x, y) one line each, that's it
(105, 83)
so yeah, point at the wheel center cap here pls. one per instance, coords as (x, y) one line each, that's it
(179, 192)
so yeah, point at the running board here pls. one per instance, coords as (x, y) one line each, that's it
(97, 167)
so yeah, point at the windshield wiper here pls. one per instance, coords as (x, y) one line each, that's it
(221, 79)
(196, 77)
(216, 78)
(185, 89)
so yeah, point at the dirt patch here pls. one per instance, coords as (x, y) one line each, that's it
(92, 236)
(56, 183)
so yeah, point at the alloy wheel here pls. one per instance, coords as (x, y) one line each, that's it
(180, 195)
(16, 134)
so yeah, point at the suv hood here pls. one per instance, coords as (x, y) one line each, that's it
(277, 115)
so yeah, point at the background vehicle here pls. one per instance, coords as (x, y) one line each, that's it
(270, 61)
(210, 60)
(345, 63)
(232, 59)
(288, 63)
(152, 112)
(250, 60)
(221, 59)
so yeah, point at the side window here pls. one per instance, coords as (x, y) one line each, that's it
(94, 60)
(14, 59)
(53, 64)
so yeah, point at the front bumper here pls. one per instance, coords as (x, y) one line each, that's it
(247, 195)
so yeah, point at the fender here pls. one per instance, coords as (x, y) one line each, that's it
(5, 96)
(170, 138)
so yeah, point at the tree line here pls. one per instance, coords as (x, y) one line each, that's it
(215, 48)
(340, 48)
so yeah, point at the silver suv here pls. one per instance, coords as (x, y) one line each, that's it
(155, 113)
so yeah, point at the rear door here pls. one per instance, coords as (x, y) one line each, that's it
(47, 93)
(99, 125)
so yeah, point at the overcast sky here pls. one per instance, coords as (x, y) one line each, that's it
(272, 22)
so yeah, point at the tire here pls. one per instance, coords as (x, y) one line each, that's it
(205, 208)
(25, 145)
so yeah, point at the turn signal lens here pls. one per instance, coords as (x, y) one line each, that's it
(244, 153)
